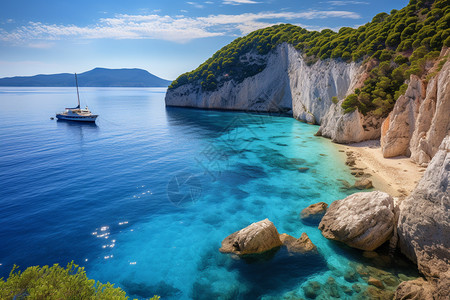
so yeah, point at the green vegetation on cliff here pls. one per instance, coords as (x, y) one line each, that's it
(394, 45)
(56, 283)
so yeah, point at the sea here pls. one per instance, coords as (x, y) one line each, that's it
(144, 197)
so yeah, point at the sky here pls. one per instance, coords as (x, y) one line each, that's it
(166, 38)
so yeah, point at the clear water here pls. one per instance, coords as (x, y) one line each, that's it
(144, 198)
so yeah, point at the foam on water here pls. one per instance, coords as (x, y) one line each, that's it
(145, 198)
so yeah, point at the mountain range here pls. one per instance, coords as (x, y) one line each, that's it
(98, 77)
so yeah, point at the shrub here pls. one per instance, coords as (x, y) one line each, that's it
(334, 99)
(56, 283)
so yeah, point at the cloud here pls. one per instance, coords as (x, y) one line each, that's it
(345, 2)
(195, 4)
(178, 29)
(239, 2)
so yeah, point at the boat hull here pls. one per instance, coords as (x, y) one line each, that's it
(77, 118)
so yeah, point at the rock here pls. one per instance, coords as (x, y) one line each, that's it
(370, 254)
(347, 290)
(256, 238)
(424, 223)
(331, 288)
(301, 245)
(376, 293)
(356, 287)
(419, 121)
(287, 83)
(433, 122)
(400, 123)
(415, 289)
(363, 220)
(363, 184)
(350, 127)
(311, 289)
(375, 282)
(314, 213)
(350, 275)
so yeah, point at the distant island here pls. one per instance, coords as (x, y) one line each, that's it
(98, 77)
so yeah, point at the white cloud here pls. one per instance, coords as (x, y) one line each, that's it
(153, 26)
(346, 2)
(239, 2)
(195, 4)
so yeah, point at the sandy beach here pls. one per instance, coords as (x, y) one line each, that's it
(397, 176)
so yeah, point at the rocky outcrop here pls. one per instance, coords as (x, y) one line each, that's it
(256, 238)
(350, 127)
(362, 220)
(420, 118)
(313, 213)
(301, 245)
(424, 223)
(287, 83)
(399, 126)
(415, 289)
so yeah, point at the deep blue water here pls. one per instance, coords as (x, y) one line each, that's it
(144, 198)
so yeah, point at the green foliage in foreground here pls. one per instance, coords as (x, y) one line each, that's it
(397, 45)
(56, 283)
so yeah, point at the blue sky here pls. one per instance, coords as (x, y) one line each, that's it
(164, 37)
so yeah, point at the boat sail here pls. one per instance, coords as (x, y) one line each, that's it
(77, 114)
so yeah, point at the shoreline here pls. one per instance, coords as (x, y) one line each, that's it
(397, 176)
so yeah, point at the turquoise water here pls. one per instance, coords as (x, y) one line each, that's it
(144, 198)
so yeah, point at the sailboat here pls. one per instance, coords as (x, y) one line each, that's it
(77, 114)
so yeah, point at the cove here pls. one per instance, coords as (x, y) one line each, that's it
(144, 198)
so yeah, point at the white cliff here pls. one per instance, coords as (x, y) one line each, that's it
(287, 83)
(350, 127)
(424, 224)
(420, 119)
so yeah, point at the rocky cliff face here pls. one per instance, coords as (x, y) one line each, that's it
(424, 224)
(420, 118)
(286, 84)
(349, 128)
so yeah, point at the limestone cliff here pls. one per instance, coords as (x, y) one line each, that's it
(349, 128)
(420, 118)
(424, 224)
(287, 84)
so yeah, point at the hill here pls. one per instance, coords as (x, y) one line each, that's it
(98, 77)
(392, 46)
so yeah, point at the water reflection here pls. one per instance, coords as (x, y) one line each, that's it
(77, 129)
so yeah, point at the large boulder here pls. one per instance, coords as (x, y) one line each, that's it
(424, 223)
(256, 238)
(301, 245)
(363, 220)
(314, 213)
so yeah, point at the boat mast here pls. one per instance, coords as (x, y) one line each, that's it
(78, 94)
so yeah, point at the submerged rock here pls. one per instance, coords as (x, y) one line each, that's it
(363, 220)
(375, 282)
(312, 289)
(256, 238)
(301, 245)
(314, 213)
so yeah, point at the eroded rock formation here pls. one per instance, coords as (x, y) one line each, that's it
(424, 222)
(420, 119)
